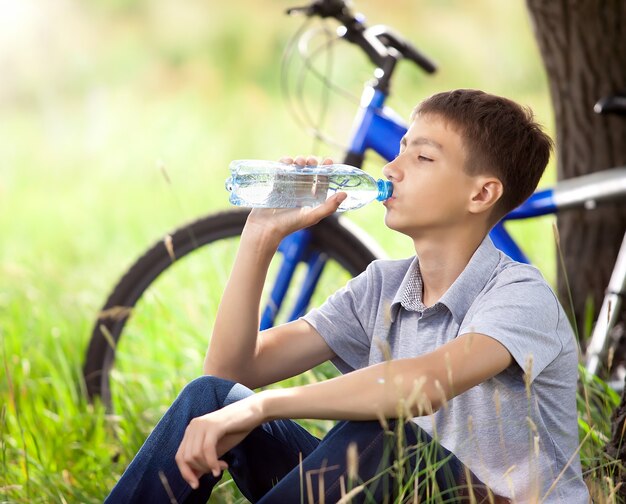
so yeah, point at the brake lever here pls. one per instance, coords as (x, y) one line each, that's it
(306, 10)
(389, 38)
(322, 8)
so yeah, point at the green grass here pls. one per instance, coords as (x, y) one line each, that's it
(88, 131)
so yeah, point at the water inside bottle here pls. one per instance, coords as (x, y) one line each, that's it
(259, 184)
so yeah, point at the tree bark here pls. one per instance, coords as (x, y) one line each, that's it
(583, 46)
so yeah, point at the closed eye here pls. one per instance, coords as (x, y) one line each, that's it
(424, 158)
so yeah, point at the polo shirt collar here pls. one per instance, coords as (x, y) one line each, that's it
(461, 294)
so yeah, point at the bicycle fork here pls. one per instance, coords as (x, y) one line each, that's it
(609, 313)
(295, 249)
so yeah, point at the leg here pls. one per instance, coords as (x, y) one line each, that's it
(420, 463)
(265, 456)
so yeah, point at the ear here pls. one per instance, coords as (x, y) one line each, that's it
(487, 192)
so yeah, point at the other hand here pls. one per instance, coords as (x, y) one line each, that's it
(208, 437)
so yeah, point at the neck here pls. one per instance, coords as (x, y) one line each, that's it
(442, 259)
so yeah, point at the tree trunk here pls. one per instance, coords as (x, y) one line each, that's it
(583, 45)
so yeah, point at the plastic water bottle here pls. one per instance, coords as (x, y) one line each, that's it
(270, 184)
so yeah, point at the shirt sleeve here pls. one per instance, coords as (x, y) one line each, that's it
(343, 322)
(523, 315)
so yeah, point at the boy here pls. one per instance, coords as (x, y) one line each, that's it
(472, 346)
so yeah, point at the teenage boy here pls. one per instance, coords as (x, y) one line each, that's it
(470, 345)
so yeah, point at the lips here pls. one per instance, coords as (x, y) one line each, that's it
(388, 200)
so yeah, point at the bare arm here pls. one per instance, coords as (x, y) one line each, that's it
(237, 350)
(400, 388)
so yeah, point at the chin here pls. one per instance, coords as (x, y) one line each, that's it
(389, 221)
(393, 224)
(405, 228)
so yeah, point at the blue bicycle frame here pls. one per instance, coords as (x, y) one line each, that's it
(376, 128)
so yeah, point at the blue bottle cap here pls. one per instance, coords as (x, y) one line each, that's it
(385, 189)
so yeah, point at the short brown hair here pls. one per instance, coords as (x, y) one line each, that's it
(501, 138)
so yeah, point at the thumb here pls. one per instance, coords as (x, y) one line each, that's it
(332, 204)
(340, 197)
(314, 215)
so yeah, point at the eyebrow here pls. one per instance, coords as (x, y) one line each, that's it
(421, 141)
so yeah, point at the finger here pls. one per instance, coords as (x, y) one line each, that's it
(312, 161)
(286, 160)
(223, 466)
(220, 467)
(328, 161)
(184, 468)
(209, 456)
(189, 468)
(300, 160)
(332, 204)
(192, 455)
(337, 199)
(186, 472)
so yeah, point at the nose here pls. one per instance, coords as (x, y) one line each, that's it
(391, 170)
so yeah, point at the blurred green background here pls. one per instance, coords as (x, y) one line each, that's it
(118, 121)
(97, 95)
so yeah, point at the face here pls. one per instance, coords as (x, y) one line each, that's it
(431, 191)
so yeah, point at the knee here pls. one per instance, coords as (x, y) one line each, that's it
(214, 392)
(201, 385)
(204, 394)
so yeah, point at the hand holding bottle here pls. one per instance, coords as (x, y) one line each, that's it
(280, 222)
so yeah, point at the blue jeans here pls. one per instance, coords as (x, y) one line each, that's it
(266, 464)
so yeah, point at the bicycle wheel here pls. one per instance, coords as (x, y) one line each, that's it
(155, 325)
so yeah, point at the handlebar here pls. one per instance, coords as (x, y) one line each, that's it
(382, 45)
(392, 39)
(612, 104)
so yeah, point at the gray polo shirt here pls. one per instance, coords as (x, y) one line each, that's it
(518, 436)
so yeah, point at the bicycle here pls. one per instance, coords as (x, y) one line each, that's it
(335, 244)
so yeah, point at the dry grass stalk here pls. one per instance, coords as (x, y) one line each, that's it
(442, 393)
(167, 487)
(115, 313)
(569, 462)
(528, 372)
(352, 456)
(320, 483)
(169, 246)
(352, 493)
(108, 336)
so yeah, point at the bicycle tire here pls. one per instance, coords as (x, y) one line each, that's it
(329, 236)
